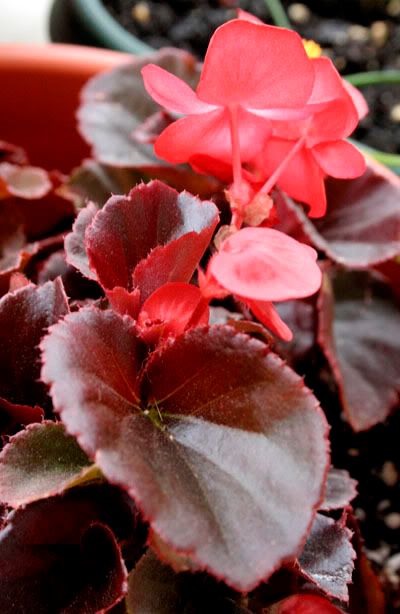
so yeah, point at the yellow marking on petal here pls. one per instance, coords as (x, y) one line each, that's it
(313, 50)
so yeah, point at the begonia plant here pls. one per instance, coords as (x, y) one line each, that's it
(162, 452)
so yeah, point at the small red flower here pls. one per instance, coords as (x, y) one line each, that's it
(260, 266)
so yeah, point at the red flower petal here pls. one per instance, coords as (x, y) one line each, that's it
(340, 159)
(171, 92)
(268, 315)
(208, 134)
(169, 310)
(267, 265)
(256, 66)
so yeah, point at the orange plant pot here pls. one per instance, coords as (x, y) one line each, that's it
(39, 96)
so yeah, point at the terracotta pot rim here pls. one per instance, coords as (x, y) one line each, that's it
(57, 57)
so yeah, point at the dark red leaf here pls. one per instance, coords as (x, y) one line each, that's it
(77, 287)
(11, 415)
(154, 588)
(75, 249)
(362, 224)
(115, 103)
(328, 557)
(227, 453)
(155, 230)
(41, 461)
(340, 490)
(60, 554)
(303, 604)
(25, 316)
(359, 327)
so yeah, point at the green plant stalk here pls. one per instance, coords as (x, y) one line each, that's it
(278, 14)
(374, 77)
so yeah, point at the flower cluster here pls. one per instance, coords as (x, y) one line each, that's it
(264, 114)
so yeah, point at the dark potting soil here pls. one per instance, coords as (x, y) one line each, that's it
(358, 35)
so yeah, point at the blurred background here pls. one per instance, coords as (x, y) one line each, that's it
(24, 21)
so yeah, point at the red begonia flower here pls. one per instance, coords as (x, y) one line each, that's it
(315, 147)
(249, 70)
(170, 310)
(262, 265)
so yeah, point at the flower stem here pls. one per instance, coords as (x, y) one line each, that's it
(278, 13)
(235, 144)
(269, 184)
(374, 77)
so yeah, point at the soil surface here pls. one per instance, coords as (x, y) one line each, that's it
(358, 35)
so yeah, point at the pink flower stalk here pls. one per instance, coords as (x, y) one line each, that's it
(260, 266)
(252, 74)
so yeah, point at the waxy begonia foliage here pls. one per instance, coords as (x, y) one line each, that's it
(160, 453)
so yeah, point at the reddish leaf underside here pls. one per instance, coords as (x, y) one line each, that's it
(362, 225)
(25, 316)
(61, 555)
(115, 103)
(328, 557)
(41, 461)
(229, 459)
(153, 235)
(359, 327)
(75, 241)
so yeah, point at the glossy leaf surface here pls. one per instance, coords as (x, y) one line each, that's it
(38, 462)
(212, 404)
(359, 332)
(328, 557)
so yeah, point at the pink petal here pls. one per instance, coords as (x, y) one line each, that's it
(266, 265)
(246, 16)
(339, 117)
(256, 66)
(268, 315)
(302, 178)
(358, 99)
(169, 311)
(171, 92)
(208, 135)
(340, 159)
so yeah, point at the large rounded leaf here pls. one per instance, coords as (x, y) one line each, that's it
(227, 453)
